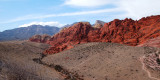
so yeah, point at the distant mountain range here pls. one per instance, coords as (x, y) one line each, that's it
(24, 33)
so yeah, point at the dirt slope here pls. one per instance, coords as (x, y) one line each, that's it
(104, 61)
(16, 62)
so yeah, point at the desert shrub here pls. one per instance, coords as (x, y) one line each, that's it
(37, 60)
(58, 68)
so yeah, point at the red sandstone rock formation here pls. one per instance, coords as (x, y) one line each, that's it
(125, 31)
(40, 38)
(65, 39)
(155, 42)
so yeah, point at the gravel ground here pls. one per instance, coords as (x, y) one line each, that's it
(16, 62)
(103, 61)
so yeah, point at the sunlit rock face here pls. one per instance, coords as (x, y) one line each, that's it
(98, 24)
(127, 31)
(155, 42)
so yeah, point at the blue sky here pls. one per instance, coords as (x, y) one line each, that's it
(22, 13)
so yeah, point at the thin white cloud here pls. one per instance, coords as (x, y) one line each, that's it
(57, 24)
(88, 3)
(31, 17)
(133, 8)
(139, 8)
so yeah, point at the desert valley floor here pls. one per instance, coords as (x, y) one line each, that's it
(23, 60)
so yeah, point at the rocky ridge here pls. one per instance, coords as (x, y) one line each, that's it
(24, 33)
(125, 31)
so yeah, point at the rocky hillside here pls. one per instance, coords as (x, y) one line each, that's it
(106, 61)
(22, 60)
(25, 33)
(17, 62)
(45, 38)
(155, 42)
(125, 31)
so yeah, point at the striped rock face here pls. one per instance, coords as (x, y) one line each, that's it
(155, 42)
(125, 31)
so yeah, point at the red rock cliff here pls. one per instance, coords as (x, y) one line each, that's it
(125, 31)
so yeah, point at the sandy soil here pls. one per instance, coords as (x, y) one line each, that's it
(16, 62)
(104, 61)
(91, 61)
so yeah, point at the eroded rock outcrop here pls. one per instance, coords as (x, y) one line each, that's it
(40, 38)
(67, 38)
(98, 24)
(155, 42)
(152, 61)
(125, 31)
